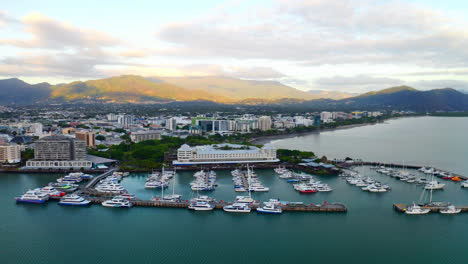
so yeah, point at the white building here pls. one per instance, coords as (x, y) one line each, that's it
(171, 123)
(145, 135)
(10, 153)
(264, 123)
(224, 154)
(326, 117)
(112, 117)
(125, 120)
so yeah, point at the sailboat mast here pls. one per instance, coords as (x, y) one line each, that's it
(432, 178)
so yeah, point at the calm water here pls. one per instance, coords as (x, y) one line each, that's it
(371, 231)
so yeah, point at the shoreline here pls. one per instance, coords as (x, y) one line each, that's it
(267, 139)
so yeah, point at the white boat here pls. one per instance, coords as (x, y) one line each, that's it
(450, 210)
(244, 199)
(202, 198)
(33, 196)
(259, 189)
(270, 208)
(73, 199)
(416, 210)
(201, 206)
(464, 184)
(117, 202)
(237, 208)
(434, 185)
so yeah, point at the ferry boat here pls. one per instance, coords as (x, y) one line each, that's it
(201, 206)
(450, 210)
(117, 202)
(270, 208)
(33, 196)
(237, 208)
(416, 210)
(73, 199)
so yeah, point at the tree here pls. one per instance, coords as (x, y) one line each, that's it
(100, 137)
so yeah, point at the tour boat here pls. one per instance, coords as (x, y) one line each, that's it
(416, 210)
(237, 208)
(259, 189)
(117, 202)
(33, 196)
(73, 199)
(201, 206)
(307, 189)
(450, 210)
(270, 208)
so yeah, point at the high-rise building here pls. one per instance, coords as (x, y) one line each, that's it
(171, 124)
(125, 120)
(88, 137)
(10, 153)
(264, 123)
(213, 125)
(112, 117)
(59, 152)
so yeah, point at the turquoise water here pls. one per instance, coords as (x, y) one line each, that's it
(371, 231)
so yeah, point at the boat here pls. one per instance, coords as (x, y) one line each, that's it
(33, 196)
(450, 210)
(464, 184)
(117, 202)
(434, 185)
(270, 208)
(52, 192)
(201, 206)
(127, 196)
(244, 199)
(416, 210)
(72, 199)
(237, 208)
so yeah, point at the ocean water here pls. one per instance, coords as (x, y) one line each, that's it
(370, 232)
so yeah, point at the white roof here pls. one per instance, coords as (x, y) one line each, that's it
(185, 147)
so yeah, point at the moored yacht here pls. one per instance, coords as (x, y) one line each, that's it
(237, 208)
(434, 185)
(201, 206)
(416, 210)
(450, 210)
(270, 208)
(73, 199)
(117, 202)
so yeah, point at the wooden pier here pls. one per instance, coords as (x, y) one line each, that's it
(434, 209)
(326, 207)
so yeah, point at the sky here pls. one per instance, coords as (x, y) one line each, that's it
(346, 45)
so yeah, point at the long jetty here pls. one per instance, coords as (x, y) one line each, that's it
(96, 179)
(396, 165)
(326, 207)
(434, 209)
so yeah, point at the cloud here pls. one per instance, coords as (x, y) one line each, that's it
(327, 32)
(437, 84)
(358, 82)
(47, 33)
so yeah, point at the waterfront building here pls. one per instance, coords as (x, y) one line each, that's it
(145, 135)
(10, 153)
(264, 123)
(88, 137)
(224, 154)
(59, 152)
(326, 117)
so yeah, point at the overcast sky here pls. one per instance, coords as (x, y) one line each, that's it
(345, 45)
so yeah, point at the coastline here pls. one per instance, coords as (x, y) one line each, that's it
(266, 139)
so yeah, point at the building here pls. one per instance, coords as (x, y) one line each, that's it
(68, 130)
(224, 154)
(171, 124)
(145, 135)
(10, 153)
(213, 125)
(264, 123)
(125, 120)
(59, 152)
(112, 117)
(88, 137)
(326, 117)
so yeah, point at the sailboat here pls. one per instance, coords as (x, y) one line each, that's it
(246, 199)
(169, 198)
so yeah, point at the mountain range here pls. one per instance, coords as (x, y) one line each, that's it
(226, 90)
